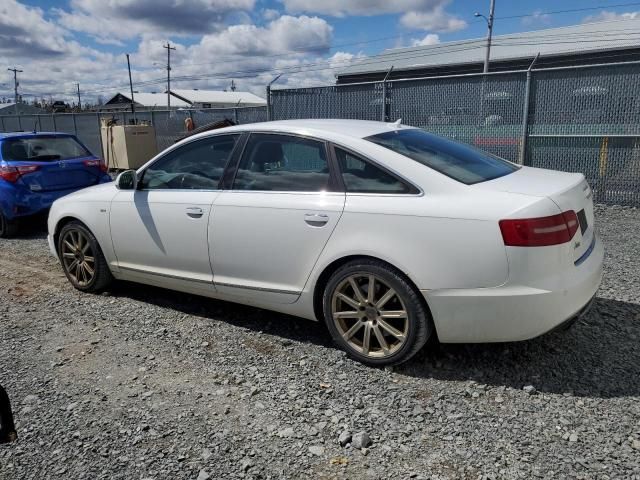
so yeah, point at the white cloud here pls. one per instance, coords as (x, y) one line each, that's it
(436, 20)
(270, 14)
(126, 19)
(536, 17)
(429, 39)
(607, 16)
(341, 8)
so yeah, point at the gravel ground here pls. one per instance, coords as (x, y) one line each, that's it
(143, 383)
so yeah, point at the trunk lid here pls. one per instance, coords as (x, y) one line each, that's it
(60, 175)
(569, 191)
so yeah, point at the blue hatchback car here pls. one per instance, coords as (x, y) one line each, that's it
(38, 168)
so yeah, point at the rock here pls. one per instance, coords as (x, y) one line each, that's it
(635, 444)
(246, 464)
(344, 438)
(286, 433)
(499, 399)
(203, 475)
(317, 450)
(30, 399)
(573, 437)
(530, 389)
(206, 454)
(361, 440)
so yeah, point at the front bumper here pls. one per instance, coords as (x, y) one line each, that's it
(514, 312)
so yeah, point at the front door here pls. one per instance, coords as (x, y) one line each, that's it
(160, 231)
(268, 231)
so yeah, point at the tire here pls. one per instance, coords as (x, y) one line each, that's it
(395, 318)
(8, 229)
(82, 260)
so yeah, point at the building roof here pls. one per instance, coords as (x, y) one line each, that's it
(215, 96)
(575, 39)
(146, 100)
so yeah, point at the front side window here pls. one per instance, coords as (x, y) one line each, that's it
(360, 176)
(42, 149)
(456, 160)
(283, 163)
(197, 165)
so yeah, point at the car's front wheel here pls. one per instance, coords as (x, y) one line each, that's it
(374, 313)
(7, 228)
(82, 259)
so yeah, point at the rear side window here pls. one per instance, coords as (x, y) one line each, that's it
(283, 163)
(360, 176)
(42, 149)
(456, 160)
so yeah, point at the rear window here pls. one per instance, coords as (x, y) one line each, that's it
(456, 160)
(42, 149)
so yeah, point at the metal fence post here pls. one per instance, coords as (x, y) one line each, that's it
(235, 115)
(75, 127)
(385, 113)
(53, 119)
(39, 123)
(269, 114)
(100, 137)
(525, 113)
(20, 122)
(4, 129)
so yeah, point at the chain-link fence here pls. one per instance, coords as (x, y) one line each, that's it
(582, 119)
(169, 125)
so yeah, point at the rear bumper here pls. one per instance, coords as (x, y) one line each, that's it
(515, 312)
(21, 202)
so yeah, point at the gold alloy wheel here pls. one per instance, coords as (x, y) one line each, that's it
(78, 257)
(369, 315)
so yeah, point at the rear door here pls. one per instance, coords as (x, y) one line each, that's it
(60, 162)
(268, 230)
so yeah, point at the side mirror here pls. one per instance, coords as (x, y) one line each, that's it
(127, 180)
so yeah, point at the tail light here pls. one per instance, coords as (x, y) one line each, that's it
(96, 163)
(539, 232)
(13, 173)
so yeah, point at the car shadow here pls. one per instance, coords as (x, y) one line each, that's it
(598, 357)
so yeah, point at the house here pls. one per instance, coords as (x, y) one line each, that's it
(585, 44)
(19, 109)
(218, 99)
(142, 101)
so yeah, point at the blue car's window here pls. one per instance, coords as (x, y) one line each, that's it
(456, 160)
(42, 149)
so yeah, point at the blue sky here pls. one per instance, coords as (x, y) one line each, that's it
(61, 42)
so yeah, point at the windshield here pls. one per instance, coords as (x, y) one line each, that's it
(42, 149)
(456, 160)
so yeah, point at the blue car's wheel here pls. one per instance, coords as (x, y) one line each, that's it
(7, 229)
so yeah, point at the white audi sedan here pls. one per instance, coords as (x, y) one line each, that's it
(388, 234)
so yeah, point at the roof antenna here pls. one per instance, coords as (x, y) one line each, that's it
(397, 123)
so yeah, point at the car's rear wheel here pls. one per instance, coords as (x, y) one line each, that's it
(82, 259)
(374, 313)
(7, 228)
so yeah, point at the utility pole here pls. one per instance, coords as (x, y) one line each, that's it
(15, 81)
(79, 101)
(169, 48)
(133, 107)
(489, 33)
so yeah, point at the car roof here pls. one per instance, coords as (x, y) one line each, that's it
(321, 127)
(4, 135)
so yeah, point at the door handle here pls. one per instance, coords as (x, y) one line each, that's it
(316, 219)
(195, 212)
